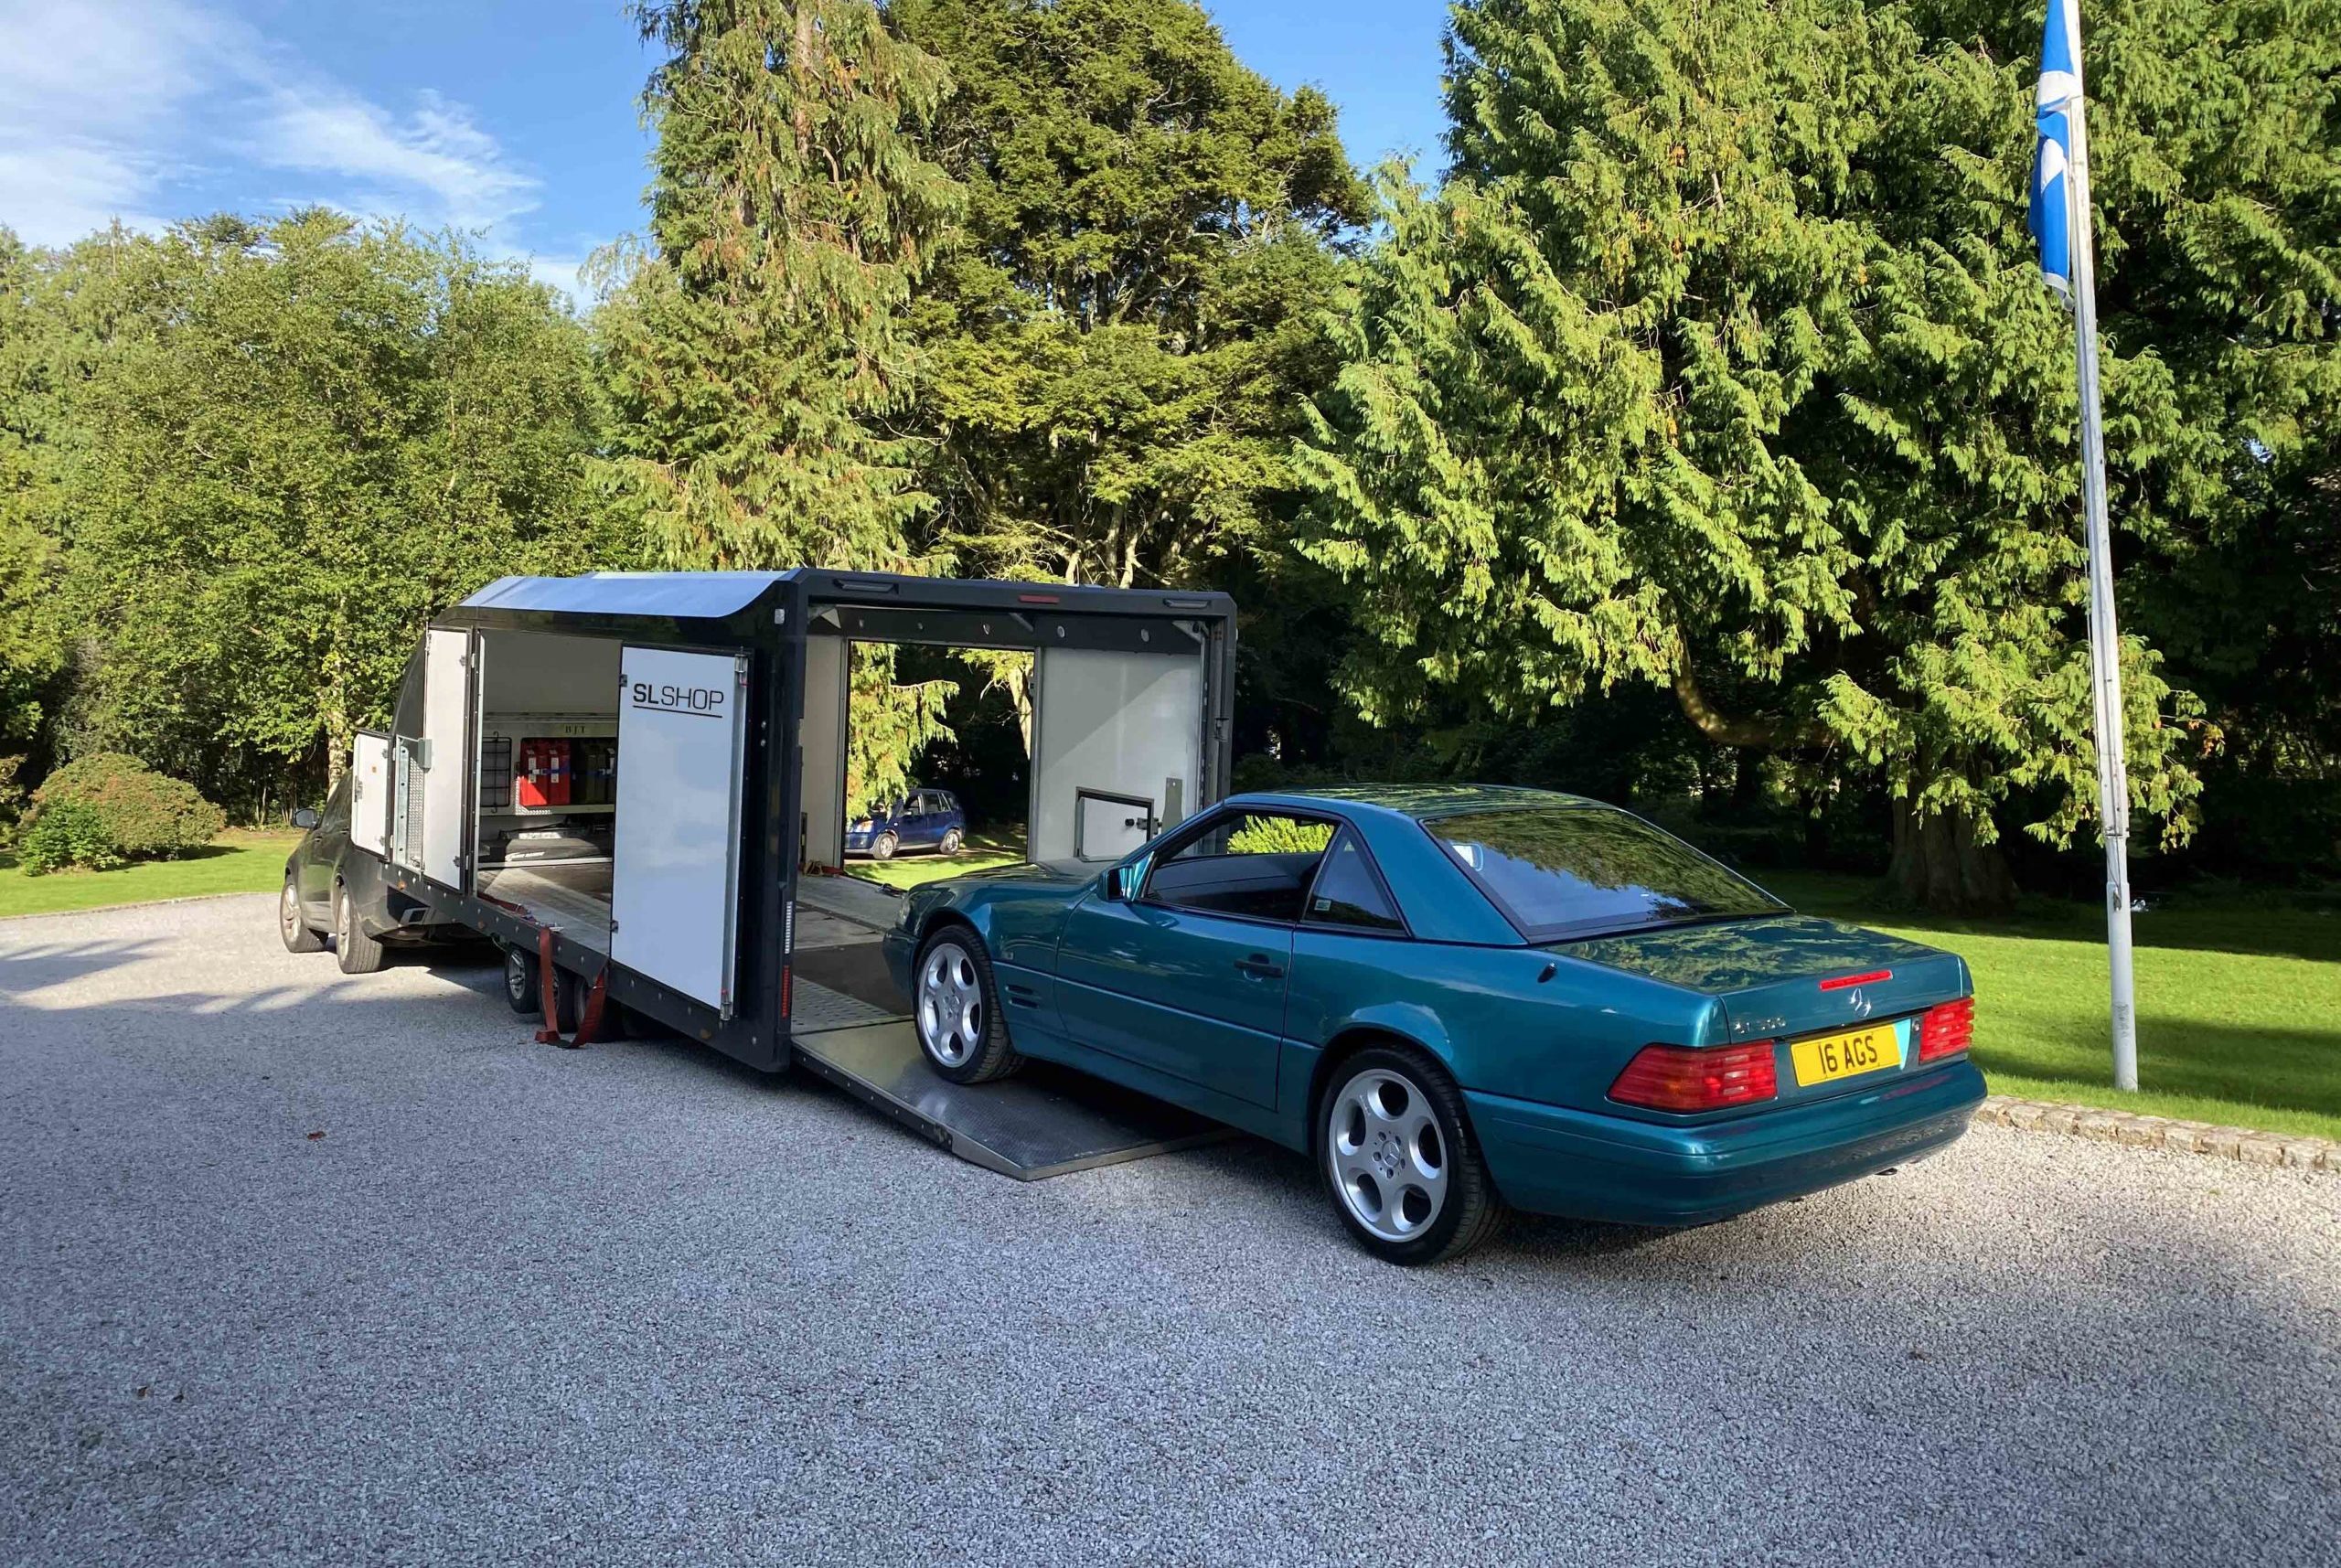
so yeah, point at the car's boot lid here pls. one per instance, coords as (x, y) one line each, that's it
(1785, 976)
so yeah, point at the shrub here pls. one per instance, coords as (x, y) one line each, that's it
(145, 816)
(69, 833)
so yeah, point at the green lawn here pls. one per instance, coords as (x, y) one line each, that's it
(237, 862)
(2238, 1002)
(981, 852)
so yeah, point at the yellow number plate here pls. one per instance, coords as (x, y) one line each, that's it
(1847, 1055)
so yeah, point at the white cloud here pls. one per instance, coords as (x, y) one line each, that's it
(130, 108)
(435, 165)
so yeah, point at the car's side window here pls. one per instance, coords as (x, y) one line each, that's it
(1348, 891)
(336, 812)
(1257, 864)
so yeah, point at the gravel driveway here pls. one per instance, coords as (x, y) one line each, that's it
(300, 1267)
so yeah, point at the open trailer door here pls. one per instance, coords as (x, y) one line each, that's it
(1117, 745)
(370, 793)
(675, 880)
(429, 807)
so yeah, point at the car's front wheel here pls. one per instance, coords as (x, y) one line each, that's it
(293, 923)
(358, 953)
(882, 847)
(958, 1010)
(1399, 1159)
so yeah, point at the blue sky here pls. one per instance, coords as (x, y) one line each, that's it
(516, 118)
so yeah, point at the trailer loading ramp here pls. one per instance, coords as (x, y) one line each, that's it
(849, 1028)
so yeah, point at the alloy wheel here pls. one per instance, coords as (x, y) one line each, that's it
(950, 1005)
(1388, 1154)
(288, 911)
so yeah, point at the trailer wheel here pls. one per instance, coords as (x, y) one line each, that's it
(884, 847)
(293, 925)
(568, 1001)
(956, 1010)
(521, 982)
(358, 953)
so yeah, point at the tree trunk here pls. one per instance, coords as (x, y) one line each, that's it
(1939, 866)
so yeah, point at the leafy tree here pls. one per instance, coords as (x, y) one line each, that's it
(1119, 339)
(307, 437)
(1119, 342)
(755, 348)
(1720, 363)
(31, 652)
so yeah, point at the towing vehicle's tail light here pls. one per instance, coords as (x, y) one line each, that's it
(1947, 1029)
(1680, 1078)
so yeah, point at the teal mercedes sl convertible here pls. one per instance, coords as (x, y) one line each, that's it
(1460, 1001)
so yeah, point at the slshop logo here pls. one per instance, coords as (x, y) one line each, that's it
(704, 701)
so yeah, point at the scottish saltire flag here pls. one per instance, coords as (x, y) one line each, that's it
(2051, 217)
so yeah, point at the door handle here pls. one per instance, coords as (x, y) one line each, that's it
(1260, 967)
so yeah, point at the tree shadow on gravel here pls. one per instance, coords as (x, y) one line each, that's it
(23, 970)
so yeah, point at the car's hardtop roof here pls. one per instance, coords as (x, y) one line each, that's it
(1422, 802)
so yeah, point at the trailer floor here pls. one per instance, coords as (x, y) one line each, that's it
(1046, 1121)
(572, 896)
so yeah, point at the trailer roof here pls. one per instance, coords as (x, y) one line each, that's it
(687, 595)
(720, 595)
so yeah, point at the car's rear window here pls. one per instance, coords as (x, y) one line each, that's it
(1583, 870)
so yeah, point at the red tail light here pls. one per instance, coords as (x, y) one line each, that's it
(1679, 1078)
(1947, 1029)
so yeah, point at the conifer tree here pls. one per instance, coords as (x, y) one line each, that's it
(1721, 363)
(755, 345)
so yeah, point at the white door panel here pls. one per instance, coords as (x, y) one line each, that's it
(682, 731)
(1112, 724)
(446, 725)
(370, 793)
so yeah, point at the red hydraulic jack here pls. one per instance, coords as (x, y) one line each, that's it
(589, 1023)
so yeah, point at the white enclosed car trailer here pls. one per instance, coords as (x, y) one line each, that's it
(642, 776)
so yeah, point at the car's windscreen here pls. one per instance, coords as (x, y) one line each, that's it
(1581, 871)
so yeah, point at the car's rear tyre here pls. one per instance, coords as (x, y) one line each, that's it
(950, 844)
(293, 924)
(358, 953)
(1400, 1161)
(523, 982)
(882, 847)
(955, 1008)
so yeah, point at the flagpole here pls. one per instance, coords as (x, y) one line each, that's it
(2104, 642)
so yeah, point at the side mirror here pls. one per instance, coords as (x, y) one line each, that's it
(304, 819)
(1122, 883)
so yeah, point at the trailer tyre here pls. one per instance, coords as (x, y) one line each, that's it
(885, 846)
(521, 982)
(359, 954)
(293, 924)
(956, 1010)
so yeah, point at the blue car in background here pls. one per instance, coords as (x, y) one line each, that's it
(922, 819)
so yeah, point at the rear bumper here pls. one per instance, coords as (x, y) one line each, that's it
(1552, 1161)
